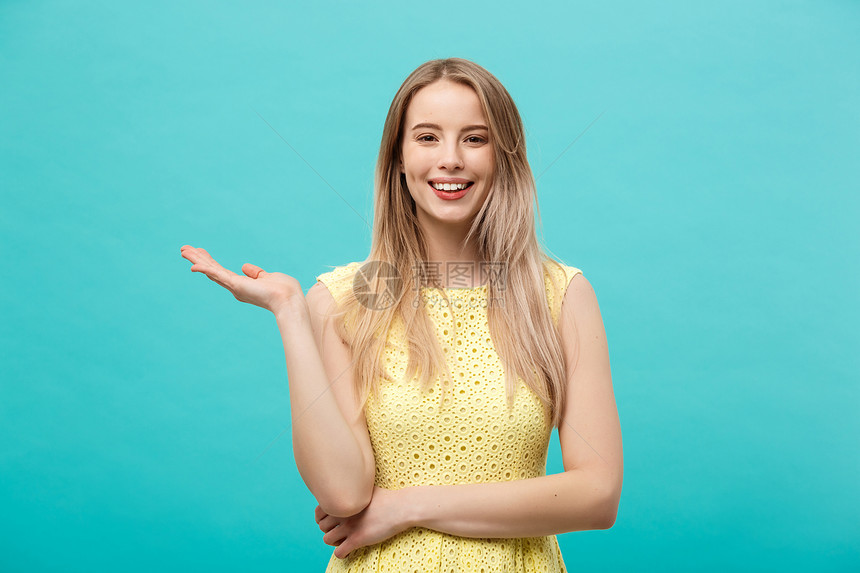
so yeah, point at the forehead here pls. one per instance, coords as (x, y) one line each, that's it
(445, 103)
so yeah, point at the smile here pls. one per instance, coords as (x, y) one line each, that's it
(451, 186)
(451, 191)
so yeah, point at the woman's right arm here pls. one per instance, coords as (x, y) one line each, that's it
(331, 443)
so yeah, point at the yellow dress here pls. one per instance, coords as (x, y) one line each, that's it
(465, 434)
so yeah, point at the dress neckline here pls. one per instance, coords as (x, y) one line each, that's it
(464, 289)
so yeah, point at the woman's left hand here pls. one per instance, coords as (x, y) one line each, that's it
(385, 516)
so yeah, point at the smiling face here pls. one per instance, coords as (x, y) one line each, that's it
(447, 155)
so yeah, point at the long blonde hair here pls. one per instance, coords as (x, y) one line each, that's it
(525, 337)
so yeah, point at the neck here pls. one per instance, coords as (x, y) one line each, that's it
(456, 262)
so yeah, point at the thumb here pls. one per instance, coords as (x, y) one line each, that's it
(253, 271)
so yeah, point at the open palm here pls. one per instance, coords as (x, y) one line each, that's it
(256, 286)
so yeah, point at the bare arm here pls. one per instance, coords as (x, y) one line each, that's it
(331, 444)
(574, 500)
(585, 496)
(330, 440)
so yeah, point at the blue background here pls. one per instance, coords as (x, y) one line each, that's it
(697, 160)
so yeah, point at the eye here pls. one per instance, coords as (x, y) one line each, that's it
(425, 138)
(476, 139)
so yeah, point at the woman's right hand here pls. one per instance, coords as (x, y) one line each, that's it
(266, 290)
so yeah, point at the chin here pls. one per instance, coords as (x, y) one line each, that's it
(458, 219)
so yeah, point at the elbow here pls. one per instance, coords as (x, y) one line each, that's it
(345, 506)
(342, 492)
(346, 502)
(605, 517)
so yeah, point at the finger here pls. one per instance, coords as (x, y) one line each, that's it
(319, 514)
(335, 536)
(189, 253)
(220, 280)
(200, 257)
(328, 523)
(218, 274)
(208, 266)
(253, 271)
(343, 550)
(195, 255)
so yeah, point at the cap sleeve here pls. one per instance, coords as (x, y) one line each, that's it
(558, 279)
(338, 281)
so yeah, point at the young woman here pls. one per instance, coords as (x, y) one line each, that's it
(425, 381)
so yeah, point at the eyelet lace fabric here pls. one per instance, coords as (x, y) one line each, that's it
(455, 433)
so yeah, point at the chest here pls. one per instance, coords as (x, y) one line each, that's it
(458, 430)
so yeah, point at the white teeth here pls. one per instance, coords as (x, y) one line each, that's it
(449, 186)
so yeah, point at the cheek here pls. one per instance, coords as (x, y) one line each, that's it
(485, 163)
(416, 178)
(410, 187)
(491, 163)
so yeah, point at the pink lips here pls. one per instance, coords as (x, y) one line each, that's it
(450, 195)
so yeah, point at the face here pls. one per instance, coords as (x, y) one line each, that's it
(447, 155)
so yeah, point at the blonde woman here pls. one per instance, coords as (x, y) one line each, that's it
(426, 380)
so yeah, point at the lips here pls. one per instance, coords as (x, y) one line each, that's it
(453, 186)
(449, 180)
(451, 195)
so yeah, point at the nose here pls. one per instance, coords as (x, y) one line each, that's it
(450, 156)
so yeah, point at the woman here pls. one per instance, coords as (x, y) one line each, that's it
(426, 447)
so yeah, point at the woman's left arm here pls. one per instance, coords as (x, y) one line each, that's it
(584, 496)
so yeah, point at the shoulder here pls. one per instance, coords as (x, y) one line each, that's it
(333, 284)
(339, 273)
(558, 278)
(580, 313)
(579, 296)
(560, 272)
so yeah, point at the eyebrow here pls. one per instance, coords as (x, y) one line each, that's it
(435, 126)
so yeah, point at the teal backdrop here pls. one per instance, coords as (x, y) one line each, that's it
(699, 161)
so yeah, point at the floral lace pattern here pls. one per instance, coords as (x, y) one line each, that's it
(457, 432)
